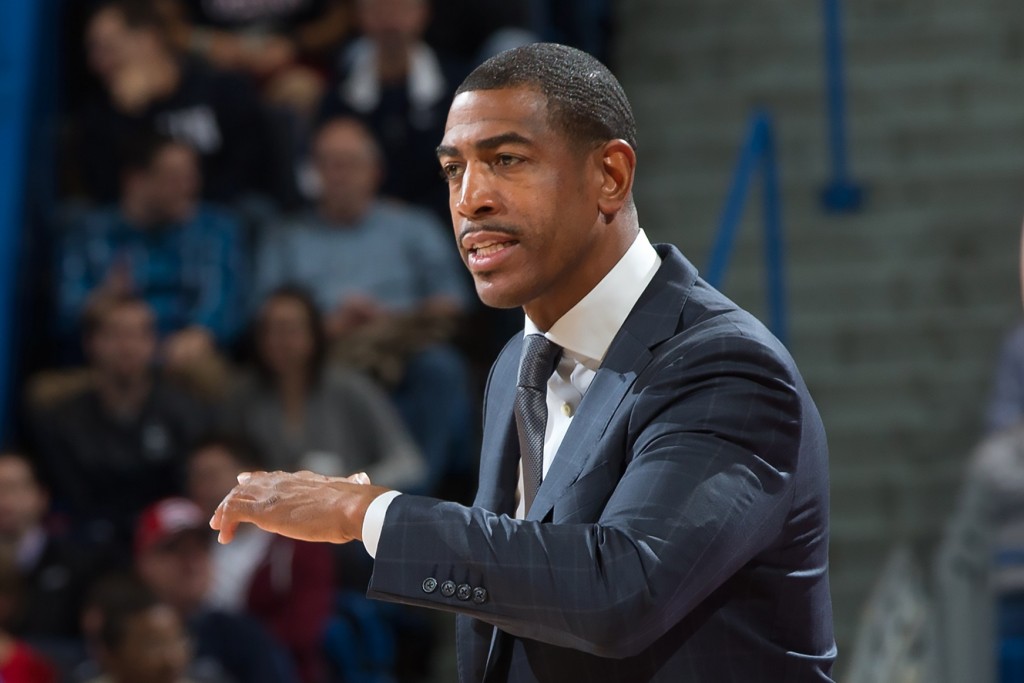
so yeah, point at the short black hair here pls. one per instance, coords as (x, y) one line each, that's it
(584, 98)
(118, 597)
(243, 449)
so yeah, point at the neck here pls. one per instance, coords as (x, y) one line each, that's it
(293, 387)
(123, 395)
(343, 216)
(592, 266)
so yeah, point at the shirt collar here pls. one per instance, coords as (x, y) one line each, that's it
(587, 329)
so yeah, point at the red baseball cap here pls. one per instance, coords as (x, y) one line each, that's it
(167, 519)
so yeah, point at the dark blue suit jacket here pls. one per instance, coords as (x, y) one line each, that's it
(681, 533)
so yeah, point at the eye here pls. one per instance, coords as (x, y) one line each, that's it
(450, 171)
(506, 160)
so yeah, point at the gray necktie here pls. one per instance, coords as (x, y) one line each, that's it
(538, 362)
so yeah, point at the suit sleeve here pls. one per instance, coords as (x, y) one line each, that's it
(706, 483)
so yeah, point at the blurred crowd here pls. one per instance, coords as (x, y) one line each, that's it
(250, 266)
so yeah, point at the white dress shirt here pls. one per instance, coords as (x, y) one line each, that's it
(585, 332)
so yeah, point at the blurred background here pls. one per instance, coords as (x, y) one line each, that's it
(224, 244)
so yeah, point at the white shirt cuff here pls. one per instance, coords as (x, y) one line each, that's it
(373, 522)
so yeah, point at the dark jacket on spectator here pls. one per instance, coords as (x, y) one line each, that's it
(217, 113)
(103, 470)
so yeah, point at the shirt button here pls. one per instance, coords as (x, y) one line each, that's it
(479, 595)
(566, 410)
(429, 585)
(448, 589)
(464, 591)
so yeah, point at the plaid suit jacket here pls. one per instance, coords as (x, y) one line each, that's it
(681, 533)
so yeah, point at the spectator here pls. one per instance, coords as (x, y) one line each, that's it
(53, 573)
(172, 557)
(18, 662)
(285, 43)
(181, 256)
(1006, 404)
(146, 85)
(142, 640)
(396, 84)
(305, 414)
(110, 449)
(287, 585)
(389, 283)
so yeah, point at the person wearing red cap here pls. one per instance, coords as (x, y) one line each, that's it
(287, 585)
(172, 557)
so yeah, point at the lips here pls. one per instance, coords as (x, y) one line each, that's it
(485, 250)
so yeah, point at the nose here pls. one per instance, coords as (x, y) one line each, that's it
(476, 196)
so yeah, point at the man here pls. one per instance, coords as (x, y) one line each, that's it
(142, 640)
(160, 242)
(172, 558)
(396, 84)
(110, 449)
(53, 573)
(389, 286)
(363, 258)
(145, 85)
(679, 530)
(287, 585)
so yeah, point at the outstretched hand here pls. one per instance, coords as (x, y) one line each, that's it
(301, 505)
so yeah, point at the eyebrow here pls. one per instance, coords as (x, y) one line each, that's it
(486, 144)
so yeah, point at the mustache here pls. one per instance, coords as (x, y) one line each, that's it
(499, 228)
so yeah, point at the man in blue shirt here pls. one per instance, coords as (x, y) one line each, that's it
(159, 242)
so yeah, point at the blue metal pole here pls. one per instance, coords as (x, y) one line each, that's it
(775, 267)
(841, 194)
(735, 201)
(19, 26)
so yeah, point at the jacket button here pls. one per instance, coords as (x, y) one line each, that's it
(448, 589)
(479, 595)
(464, 591)
(429, 585)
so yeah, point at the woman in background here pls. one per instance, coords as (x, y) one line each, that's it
(305, 414)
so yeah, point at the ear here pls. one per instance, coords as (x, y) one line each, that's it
(618, 165)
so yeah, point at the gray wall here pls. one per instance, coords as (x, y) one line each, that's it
(897, 311)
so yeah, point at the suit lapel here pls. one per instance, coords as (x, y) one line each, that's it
(654, 318)
(499, 464)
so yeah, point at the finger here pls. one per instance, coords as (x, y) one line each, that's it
(235, 508)
(359, 478)
(243, 477)
(312, 476)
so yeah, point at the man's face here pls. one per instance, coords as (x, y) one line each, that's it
(178, 570)
(109, 44)
(124, 345)
(523, 199)
(155, 649)
(349, 169)
(173, 183)
(22, 501)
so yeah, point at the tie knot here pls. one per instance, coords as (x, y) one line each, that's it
(540, 355)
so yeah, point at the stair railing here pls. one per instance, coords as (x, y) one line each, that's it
(756, 155)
